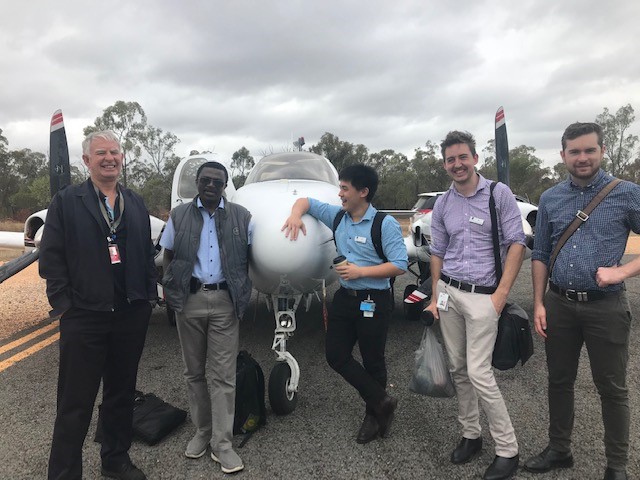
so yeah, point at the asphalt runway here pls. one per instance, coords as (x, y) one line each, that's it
(317, 440)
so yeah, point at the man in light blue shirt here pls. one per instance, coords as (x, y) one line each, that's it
(362, 306)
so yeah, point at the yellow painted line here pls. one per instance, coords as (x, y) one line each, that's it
(29, 351)
(26, 338)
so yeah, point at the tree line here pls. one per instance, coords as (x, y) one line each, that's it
(150, 162)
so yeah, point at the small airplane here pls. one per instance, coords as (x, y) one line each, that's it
(286, 272)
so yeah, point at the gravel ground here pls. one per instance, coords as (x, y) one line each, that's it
(23, 301)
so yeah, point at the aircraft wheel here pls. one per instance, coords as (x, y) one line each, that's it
(171, 316)
(411, 310)
(282, 400)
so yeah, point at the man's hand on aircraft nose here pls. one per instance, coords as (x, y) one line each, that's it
(292, 226)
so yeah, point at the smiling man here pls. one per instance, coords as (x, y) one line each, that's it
(468, 297)
(586, 301)
(97, 257)
(361, 307)
(206, 281)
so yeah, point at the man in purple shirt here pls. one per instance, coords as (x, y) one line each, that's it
(468, 299)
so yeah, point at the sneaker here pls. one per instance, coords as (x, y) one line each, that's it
(126, 471)
(229, 461)
(196, 447)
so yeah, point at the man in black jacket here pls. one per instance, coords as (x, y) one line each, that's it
(97, 257)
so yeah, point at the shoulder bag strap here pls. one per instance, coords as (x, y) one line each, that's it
(494, 233)
(581, 217)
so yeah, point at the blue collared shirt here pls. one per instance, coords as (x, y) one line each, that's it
(599, 242)
(353, 240)
(208, 268)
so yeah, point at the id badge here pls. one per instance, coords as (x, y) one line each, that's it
(114, 253)
(367, 307)
(443, 302)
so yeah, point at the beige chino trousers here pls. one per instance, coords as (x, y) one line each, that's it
(469, 328)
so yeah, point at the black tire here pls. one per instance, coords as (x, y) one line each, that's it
(282, 402)
(411, 310)
(171, 316)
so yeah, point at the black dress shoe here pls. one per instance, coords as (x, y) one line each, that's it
(368, 430)
(466, 450)
(611, 474)
(502, 468)
(549, 460)
(384, 414)
(125, 471)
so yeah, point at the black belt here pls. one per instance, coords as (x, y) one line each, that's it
(196, 285)
(585, 296)
(466, 287)
(363, 293)
(215, 286)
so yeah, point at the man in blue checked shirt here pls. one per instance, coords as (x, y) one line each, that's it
(586, 301)
(468, 298)
(364, 281)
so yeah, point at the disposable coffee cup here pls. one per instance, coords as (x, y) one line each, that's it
(340, 260)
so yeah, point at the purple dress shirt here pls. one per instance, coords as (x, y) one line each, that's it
(461, 232)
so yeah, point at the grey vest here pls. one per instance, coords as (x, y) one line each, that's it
(232, 224)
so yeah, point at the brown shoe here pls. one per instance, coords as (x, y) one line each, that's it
(368, 430)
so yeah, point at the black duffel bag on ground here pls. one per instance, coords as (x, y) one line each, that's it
(153, 418)
(514, 342)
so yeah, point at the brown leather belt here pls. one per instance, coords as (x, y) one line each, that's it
(584, 296)
(466, 287)
(362, 293)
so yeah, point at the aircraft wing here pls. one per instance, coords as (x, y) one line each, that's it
(11, 240)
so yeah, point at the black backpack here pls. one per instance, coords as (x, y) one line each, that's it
(251, 413)
(376, 235)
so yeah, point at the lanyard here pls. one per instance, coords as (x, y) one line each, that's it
(109, 216)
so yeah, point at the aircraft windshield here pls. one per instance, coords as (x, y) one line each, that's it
(292, 166)
(187, 187)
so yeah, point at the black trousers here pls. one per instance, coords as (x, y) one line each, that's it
(604, 327)
(96, 346)
(347, 325)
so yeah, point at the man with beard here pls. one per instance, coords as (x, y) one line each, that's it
(468, 298)
(586, 301)
(206, 281)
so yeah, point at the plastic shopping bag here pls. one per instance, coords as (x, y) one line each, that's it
(430, 374)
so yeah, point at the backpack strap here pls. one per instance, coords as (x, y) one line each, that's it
(376, 232)
(376, 235)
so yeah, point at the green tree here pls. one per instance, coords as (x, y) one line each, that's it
(9, 181)
(338, 152)
(127, 120)
(620, 145)
(158, 146)
(241, 163)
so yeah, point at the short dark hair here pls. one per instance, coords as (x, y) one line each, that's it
(361, 177)
(456, 137)
(578, 129)
(215, 165)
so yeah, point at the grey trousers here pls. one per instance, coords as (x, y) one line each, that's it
(469, 330)
(208, 329)
(604, 327)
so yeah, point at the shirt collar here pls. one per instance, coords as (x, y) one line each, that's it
(597, 180)
(482, 183)
(200, 205)
(368, 215)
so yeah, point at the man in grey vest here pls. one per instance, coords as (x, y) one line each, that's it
(206, 282)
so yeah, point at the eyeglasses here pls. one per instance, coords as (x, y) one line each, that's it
(204, 181)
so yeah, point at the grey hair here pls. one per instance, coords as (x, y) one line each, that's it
(104, 134)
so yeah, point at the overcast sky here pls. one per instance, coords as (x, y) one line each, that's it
(387, 74)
